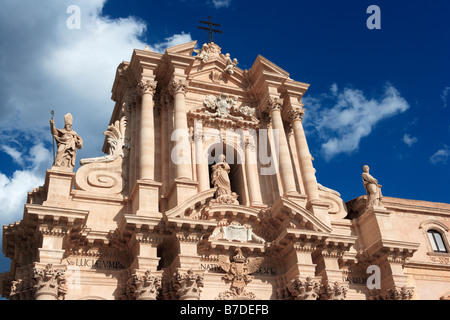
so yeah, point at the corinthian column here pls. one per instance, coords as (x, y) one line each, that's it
(252, 173)
(304, 156)
(182, 154)
(147, 131)
(183, 186)
(286, 170)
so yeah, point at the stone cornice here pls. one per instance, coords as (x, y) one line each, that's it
(69, 216)
(418, 207)
(427, 265)
(395, 251)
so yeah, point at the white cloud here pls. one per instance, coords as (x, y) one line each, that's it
(444, 95)
(172, 41)
(441, 156)
(409, 140)
(345, 116)
(14, 189)
(47, 66)
(14, 154)
(221, 3)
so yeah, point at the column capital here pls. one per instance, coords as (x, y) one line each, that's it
(274, 103)
(146, 286)
(146, 86)
(49, 282)
(188, 285)
(178, 86)
(295, 114)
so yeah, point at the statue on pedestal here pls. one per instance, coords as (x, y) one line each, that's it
(372, 187)
(67, 141)
(221, 182)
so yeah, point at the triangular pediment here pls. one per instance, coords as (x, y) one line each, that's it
(224, 222)
(293, 214)
(213, 73)
(184, 49)
(263, 65)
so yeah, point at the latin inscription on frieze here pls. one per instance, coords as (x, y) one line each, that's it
(212, 267)
(355, 278)
(95, 263)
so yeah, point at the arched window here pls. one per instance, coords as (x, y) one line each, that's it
(436, 241)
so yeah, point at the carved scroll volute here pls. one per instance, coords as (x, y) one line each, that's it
(106, 174)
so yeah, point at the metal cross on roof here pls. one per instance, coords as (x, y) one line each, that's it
(210, 31)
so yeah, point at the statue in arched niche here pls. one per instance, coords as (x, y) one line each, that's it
(221, 182)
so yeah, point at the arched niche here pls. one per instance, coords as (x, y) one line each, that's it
(235, 157)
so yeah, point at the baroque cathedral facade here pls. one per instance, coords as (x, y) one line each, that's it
(207, 191)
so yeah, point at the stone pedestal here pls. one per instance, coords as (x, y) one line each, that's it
(320, 209)
(58, 185)
(181, 190)
(145, 198)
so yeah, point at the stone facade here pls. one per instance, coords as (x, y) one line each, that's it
(146, 221)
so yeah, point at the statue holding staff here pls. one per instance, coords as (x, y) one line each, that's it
(67, 141)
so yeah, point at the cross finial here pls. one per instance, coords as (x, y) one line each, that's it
(210, 31)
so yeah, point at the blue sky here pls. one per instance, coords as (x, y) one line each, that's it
(378, 96)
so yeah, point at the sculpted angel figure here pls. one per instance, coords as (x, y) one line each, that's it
(68, 141)
(372, 187)
(230, 64)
